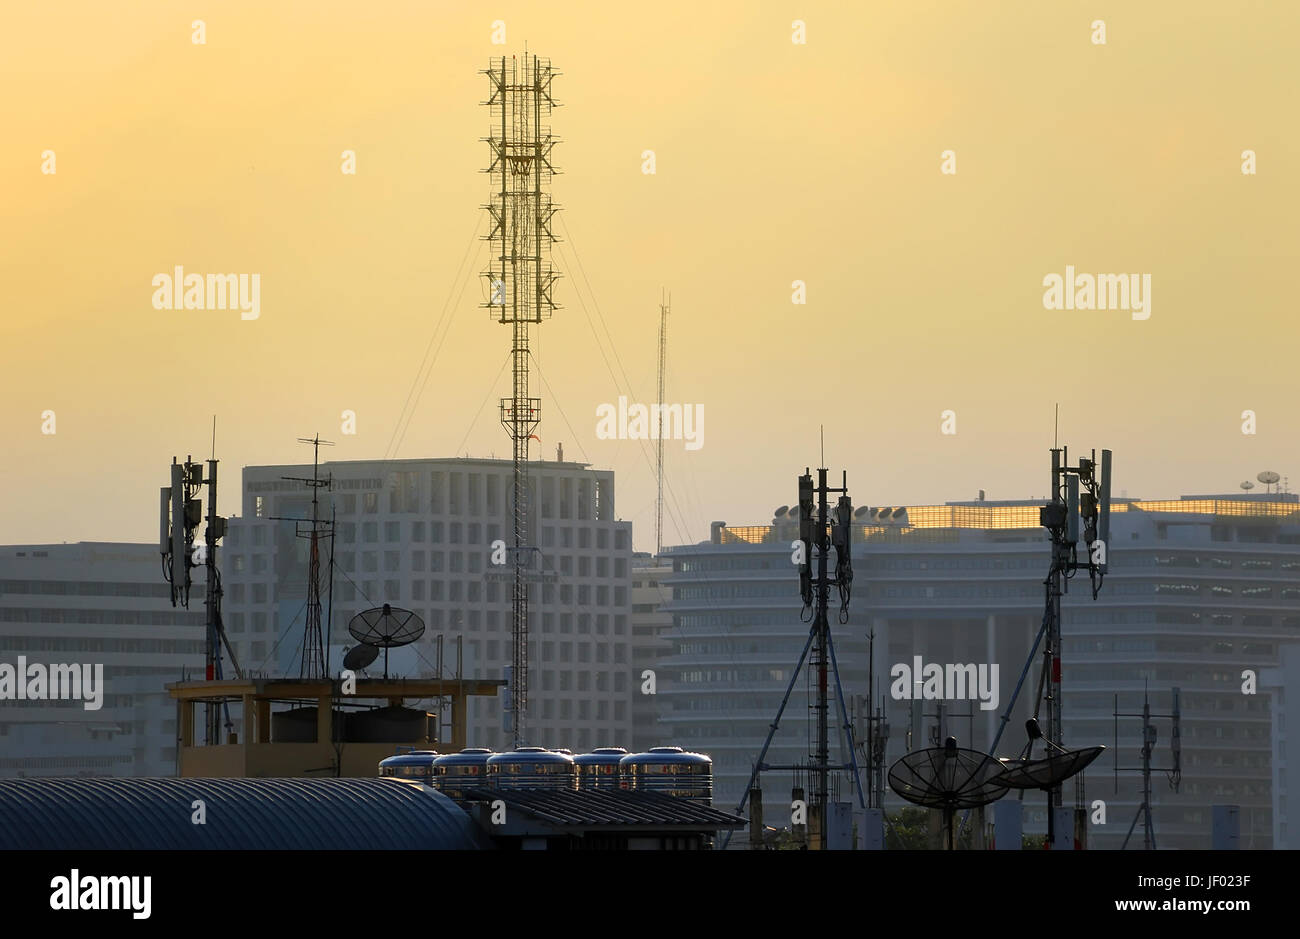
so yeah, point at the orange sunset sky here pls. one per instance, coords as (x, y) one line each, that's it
(775, 162)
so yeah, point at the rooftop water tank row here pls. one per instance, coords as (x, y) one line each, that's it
(670, 770)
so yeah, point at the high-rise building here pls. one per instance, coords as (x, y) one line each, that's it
(1283, 687)
(102, 605)
(651, 642)
(1200, 589)
(431, 536)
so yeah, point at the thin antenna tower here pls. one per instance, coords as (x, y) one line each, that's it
(521, 279)
(180, 514)
(823, 528)
(312, 664)
(1174, 772)
(664, 306)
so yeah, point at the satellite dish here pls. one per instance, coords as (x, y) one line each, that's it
(1047, 772)
(359, 656)
(793, 512)
(1268, 477)
(781, 511)
(883, 514)
(948, 778)
(386, 627)
(1247, 485)
(861, 511)
(900, 512)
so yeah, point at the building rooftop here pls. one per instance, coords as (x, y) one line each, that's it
(156, 814)
(616, 808)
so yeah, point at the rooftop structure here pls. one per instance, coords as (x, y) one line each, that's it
(328, 733)
(1199, 589)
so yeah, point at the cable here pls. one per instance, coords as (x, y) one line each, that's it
(474, 420)
(394, 442)
(556, 397)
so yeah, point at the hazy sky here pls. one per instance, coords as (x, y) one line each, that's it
(775, 162)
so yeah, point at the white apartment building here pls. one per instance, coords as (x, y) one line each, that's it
(95, 603)
(419, 534)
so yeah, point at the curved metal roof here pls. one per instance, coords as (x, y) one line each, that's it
(142, 814)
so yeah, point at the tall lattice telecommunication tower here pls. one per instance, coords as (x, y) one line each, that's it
(520, 280)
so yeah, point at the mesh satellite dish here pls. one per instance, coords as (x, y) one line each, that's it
(1268, 477)
(948, 778)
(386, 627)
(359, 656)
(1047, 772)
(1247, 485)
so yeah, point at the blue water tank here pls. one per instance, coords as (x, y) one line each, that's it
(417, 765)
(531, 768)
(669, 770)
(455, 773)
(599, 768)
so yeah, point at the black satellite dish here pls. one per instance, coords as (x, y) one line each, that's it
(781, 511)
(1047, 772)
(359, 656)
(947, 778)
(386, 627)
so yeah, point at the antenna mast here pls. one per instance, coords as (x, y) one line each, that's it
(664, 307)
(312, 664)
(520, 279)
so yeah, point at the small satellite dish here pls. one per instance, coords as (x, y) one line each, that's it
(386, 627)
(793, 512)
(861, 511)
(781, 511)
(1247, 485)
(1045, 773)
(900, 512)
(359, 656)
(884, 513)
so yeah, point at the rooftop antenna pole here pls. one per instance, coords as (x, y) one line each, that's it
(665, 304)
(1079, 511)
(312, 665)
(1149, 736)
(521, 280)
(180, 513)
(821, 529)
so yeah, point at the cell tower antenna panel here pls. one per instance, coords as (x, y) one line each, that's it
(520, 291)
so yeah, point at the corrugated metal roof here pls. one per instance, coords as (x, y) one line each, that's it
(622, 807)
(142, 814)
